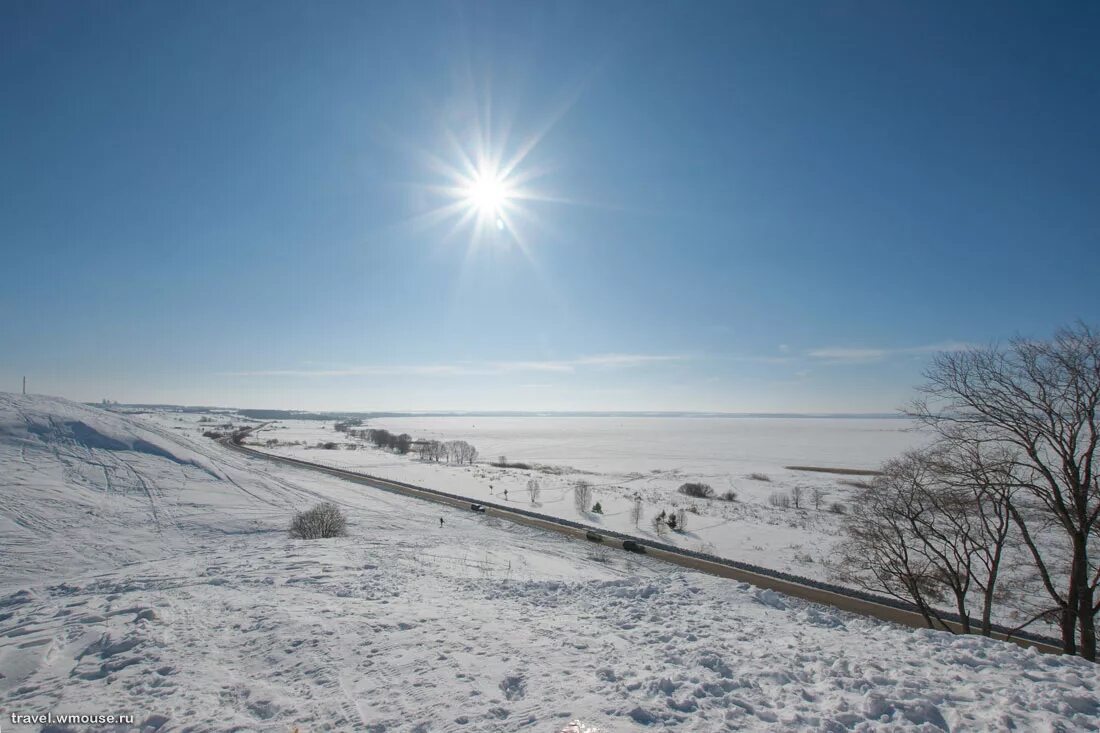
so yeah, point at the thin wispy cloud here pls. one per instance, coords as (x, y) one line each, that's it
(845, 355)
(476, 368)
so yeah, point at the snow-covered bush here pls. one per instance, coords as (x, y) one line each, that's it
(323, 520)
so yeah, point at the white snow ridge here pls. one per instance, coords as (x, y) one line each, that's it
(147, 572)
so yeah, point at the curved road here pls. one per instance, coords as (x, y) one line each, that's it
(836, 598)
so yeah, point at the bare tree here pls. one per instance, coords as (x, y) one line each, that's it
(818, 495)
(932, 527)
(796, 496)
(435, 450)
(582, 496)
(1037, 400)
(636, 511)
(681, 519)
(876, 554)
(533, 489)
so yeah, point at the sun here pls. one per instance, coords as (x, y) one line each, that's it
(486, 187)
(488, 194)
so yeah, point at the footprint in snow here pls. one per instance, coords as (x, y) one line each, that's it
(514, 687)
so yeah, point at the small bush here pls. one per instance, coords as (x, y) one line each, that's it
(597, 509)
(781, 501)
(730, 495)
(696, 490)
(760, 477)
(323, 520)
(838, 508)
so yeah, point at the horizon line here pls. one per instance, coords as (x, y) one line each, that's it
(508, 413)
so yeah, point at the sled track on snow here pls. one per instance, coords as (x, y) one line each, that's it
(846, 599)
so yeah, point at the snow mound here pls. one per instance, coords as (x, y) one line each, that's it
(85, 488)
(35, 419)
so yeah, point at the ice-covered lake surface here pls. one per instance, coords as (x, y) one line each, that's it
(692, 444)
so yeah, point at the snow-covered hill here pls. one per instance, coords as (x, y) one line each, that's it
(148, 573)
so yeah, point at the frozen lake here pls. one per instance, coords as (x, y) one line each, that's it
(705, 444)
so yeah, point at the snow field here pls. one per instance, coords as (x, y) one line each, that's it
(192, 610)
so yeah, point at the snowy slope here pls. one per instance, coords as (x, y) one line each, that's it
(185, 604)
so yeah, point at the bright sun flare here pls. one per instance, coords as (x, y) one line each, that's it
(488, 194)
(486, 189)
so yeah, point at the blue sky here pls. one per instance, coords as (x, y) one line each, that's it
(739, 206)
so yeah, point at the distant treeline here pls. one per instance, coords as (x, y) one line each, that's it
(451, 451)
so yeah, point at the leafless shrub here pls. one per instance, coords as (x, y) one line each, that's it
(533, 489)
(796, 496)
(729, 495)
(697, 490)
(837, 508)
(323, 520)
(760, 477)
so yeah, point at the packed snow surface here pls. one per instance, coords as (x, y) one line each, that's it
(173, 594)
